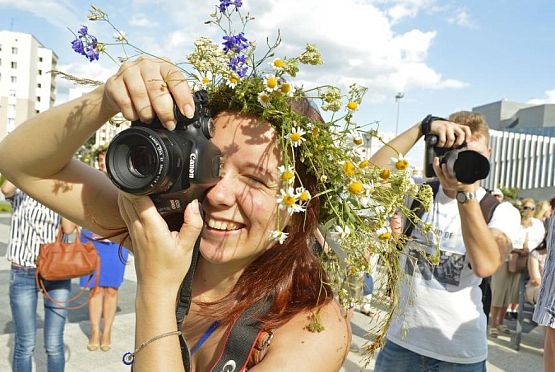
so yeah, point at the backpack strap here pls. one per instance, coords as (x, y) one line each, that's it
(241, 338)
(488, 205)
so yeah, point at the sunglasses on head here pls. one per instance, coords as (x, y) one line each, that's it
(527, 208)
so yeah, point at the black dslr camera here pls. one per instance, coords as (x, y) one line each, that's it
(468, 166)
(173, 167)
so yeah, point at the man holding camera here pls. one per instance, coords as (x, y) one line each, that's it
(440, 323)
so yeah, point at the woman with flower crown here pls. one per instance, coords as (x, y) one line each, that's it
(286, 171)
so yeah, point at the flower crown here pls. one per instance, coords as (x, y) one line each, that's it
(357, 198)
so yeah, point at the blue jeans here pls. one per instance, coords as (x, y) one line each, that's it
(396, 358)
(23, 302)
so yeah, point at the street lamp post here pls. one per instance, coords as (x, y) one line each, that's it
(398, 97)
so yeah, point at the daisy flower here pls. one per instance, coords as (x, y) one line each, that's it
(352, 106)
(384, 233)
(357, 138)
(356, 187)
(288, 200)
(341, 232)
(264, 99)
(286, 89)
(400, 162)
(286, 173)
(296, 136)
(271, 83)
(277, 64)
(233, 80)
(304, 194)
(280, 236)
(349, 168)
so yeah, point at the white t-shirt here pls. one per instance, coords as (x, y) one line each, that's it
(440, 311)
(535, 233)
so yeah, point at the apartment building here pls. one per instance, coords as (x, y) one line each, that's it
(26, 86)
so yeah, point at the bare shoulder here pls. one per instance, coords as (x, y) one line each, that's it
(296, 348)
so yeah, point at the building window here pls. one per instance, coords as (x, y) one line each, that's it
(12, 93)
(39, 85)
(37, 111)
(14, 50)
(11, 124)
(14, 64)
(40, 72)
(40, 59)
(14, 79)
(38, 99)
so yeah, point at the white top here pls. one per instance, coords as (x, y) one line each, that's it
(535, 233)
(440, 311)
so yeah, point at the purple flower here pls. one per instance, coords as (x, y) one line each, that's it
(235, 43)
(224, 4)
(237, 64)
(85, 44)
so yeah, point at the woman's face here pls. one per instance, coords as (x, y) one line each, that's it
(528, 209)
(240, 210)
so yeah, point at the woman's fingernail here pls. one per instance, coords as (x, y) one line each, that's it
(196, 207)
(189, 111)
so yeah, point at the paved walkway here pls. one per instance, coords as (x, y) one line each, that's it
(502, 357)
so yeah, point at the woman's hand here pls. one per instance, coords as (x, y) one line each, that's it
(143, 89)
(162, 257)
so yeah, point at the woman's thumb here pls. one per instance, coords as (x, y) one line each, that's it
(192, 223)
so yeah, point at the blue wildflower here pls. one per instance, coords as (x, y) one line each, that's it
(237, 64)
(224, 4)
(235, 43)
(85, 44)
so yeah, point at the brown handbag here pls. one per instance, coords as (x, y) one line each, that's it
(518, 263)
(61, 261)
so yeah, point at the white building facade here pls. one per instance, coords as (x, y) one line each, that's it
(26, 86)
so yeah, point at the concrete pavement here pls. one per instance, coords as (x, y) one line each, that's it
(502, 356)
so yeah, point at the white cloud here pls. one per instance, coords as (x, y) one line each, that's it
(549, 98)
(140, 20)
(60, 13)
(462, 18)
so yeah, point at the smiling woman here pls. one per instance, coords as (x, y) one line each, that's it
(286, 170)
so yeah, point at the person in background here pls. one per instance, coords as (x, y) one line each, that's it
(440, 324)
(536, 264)
(505, 284)
(498, 194)
(104, 301)
(544, 313)
(33, 224)
(543, 212)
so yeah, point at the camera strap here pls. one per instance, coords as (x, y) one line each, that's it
(184, 303)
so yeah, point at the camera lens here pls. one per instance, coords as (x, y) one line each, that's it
(142, 161)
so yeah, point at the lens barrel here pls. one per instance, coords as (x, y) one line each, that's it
(143, 161)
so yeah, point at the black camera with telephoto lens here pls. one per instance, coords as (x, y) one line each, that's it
(172, 167)
(467, 166)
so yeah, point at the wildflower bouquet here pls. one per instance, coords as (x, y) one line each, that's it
(357, 198)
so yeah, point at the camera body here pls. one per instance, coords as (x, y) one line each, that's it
(467, 166)
(172, 167)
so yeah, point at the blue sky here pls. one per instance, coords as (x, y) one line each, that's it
(444, 55)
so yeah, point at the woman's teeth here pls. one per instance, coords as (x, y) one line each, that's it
(220, 225)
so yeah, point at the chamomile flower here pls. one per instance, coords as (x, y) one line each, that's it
(280, 236)
(233, 80)
(202, 80)
(356, 187)
(357, 138)
(296, 136)
(271, 83)
(277, 64)
(264, 99)
(400, 162)
(304, 194)
(288, 200)
(384, 233)
(286, 173)
(352, 106)
(286, 89)
(341, 232)
(349, 168)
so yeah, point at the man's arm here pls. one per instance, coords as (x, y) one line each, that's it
(8, 189)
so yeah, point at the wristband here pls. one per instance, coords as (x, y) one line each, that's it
(426, 124)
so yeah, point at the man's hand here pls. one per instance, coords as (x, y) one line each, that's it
(449, 182)
(450, 135)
